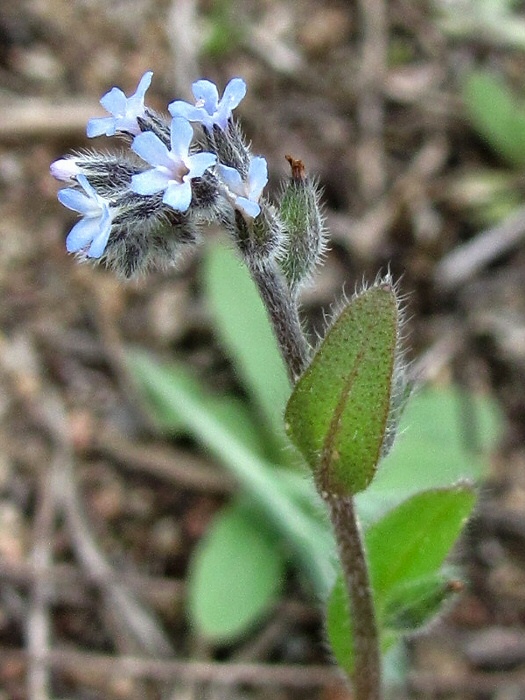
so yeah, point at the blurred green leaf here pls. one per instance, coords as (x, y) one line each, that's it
(306, 535)
(230, 410)
(245, 332)
(235, 575)
(338, 411)
(497, 115)
(225, 33)
(493, 22)
(485, 195)
(407, 546)
(444, 437)
(414, 603)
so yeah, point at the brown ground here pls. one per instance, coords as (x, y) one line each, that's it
(367, 94)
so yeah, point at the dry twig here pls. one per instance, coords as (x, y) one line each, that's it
(289, 676)
(465, 261)
(370, 101)
(34, 118)
(38, 620)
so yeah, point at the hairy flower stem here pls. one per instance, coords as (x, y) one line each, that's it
(367, 660)
(284, 316)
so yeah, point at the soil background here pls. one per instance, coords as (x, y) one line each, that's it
(368, 95)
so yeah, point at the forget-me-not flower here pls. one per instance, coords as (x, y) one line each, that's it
(208, 109)
(245, 193)
(124, 111)
(173, 169)
(95, 226)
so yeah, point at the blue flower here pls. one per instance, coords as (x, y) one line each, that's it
(245, 193)
(95, 226)
(124, 111)
(173, 169)
(208, 109)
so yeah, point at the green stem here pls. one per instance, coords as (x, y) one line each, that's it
(367, 660)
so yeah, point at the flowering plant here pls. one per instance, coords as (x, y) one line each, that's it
(142, 207)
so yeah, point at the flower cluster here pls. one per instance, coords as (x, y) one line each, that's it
(142, 206)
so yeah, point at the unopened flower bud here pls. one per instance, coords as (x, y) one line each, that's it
(65, 169)
(301, 213)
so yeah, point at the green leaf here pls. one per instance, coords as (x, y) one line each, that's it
(444, 437)
(337, 414)
(406, 546)
(245, 332)
(307, 536)
(235, 575)
(497, 115)
(229, 410)
(413, 603)
(413, 540)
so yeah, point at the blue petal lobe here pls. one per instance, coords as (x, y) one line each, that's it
(248, 207)
(257, 176)
(101, 238)
(82, 234)
(88, 189)
(114, 101)
(150, 181)
(144, 84)
(206, 92)
(181, 135)
(199, 163)
(100, 125)
(231, 178)
(187, 111)
(178, 195)
(151, 149)
(75, 200)
(233, 93)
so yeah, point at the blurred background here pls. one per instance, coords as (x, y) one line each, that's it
(412, 117)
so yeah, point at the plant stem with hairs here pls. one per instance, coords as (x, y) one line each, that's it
(295, 348)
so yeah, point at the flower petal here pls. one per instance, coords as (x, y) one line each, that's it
(231, 179)
(181, 133)
(233, 93)
(143, 85)
(151, 149)
(88, 189)
(82, 234)
(178, 195)
(257, 176)
(249, 207)
(100, 125)
(100, 240)
(75, 200)
(150, 181)
(114, 102)
(187, 111)
(206, 93)
(199, 163)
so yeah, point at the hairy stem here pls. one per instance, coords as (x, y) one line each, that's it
(284, 315)
(296, 351)
(367, 660)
